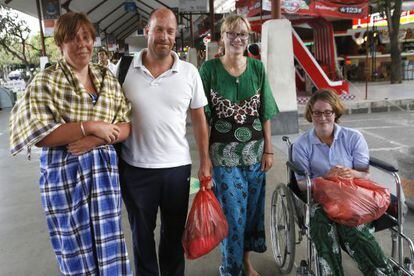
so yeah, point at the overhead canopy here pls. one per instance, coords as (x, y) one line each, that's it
(112, 16)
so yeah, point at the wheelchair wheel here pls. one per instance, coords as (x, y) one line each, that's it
(282, 228)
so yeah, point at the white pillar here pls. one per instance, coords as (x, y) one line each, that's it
(277, 56)
(192, 56)
(211, 49)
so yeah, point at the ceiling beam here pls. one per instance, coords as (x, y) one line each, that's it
(161, 3)
(109, 13)
(123, 30)
(168, 7)
(138, 17)
(129, 32)
(144, 11)
(124, 23)
(116, 20)
(66, 5)
(146, 5)
(97, 6)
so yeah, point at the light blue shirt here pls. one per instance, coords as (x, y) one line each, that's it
(349, 149)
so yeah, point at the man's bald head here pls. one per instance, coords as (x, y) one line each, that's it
(162, 13)
(160, 32)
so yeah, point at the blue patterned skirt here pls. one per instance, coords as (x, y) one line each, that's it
(81, 198)
(241, 193)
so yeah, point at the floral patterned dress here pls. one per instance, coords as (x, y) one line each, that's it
(238, 106)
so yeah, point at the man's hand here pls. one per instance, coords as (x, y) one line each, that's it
(205, 171)
(200, 130)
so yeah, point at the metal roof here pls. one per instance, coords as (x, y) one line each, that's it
(111, 15)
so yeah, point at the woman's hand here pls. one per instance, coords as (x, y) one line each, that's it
(267, 158)
(106, 131)
(346, 172)
(340, 171)
(84, 145)
(267, 162)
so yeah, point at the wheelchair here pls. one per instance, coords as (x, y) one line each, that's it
(290, 207)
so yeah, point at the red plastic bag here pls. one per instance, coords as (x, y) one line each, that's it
(206, 224)
(351, 201)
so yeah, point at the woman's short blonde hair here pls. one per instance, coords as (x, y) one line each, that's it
(68, 25)
(232, 20)
(329, 96)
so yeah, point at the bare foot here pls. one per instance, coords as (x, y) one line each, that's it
(249, 269)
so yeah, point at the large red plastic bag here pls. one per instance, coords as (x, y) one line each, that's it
(351, 201)
(206, 224)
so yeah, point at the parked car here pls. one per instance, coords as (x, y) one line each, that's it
(15, 75)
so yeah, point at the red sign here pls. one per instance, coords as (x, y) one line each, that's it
(347, 2)
(341, 9)
(249, 8)
(326, 8)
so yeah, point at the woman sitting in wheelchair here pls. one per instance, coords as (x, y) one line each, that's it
(327, 150)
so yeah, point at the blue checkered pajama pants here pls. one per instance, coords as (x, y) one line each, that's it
(82, 201)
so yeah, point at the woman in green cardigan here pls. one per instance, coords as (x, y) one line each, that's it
(240, 107)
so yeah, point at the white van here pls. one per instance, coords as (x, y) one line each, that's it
(15, 75)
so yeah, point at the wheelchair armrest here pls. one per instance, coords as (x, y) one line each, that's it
(377, 163)
(295, 169)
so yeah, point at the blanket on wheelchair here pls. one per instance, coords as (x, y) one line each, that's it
(351, 201)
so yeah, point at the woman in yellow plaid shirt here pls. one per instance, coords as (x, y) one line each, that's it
(75, 111)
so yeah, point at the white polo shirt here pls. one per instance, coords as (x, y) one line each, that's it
(112, 67)
(159, 113)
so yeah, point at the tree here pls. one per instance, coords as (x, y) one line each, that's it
(14, 36)
(53, 51)
(6, 59)
(391, 10)
(18, 47)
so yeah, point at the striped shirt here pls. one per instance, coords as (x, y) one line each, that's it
(55, 97)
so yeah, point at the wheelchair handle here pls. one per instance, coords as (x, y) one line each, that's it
(377, 163)
(295, 168)
(285, 138)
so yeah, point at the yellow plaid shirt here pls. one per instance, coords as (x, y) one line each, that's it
(55, 97)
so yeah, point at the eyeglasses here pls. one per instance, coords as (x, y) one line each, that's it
(327, 113)
(233, 35)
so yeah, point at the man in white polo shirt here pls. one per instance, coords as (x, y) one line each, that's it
(155, 172)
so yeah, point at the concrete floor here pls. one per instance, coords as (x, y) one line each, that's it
(25, 248)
